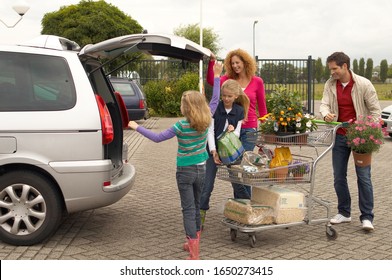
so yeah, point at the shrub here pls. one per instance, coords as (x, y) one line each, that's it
(164, 97)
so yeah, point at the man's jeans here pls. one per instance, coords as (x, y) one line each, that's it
(340, 156)
(190, 180)
(243, 191)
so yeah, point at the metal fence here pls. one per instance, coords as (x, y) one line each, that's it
(294, 74)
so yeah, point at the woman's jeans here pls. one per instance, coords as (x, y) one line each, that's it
(340, 156)
(243, 191)
(190, 180)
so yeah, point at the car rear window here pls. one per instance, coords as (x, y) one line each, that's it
(123, 88)
(31, 82)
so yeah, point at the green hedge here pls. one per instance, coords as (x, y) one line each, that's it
(164, 97)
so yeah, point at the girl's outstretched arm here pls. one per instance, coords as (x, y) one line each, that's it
(156, 137)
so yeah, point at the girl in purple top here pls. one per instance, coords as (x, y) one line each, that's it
(191, 134)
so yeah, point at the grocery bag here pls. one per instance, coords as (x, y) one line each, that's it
(230, 148)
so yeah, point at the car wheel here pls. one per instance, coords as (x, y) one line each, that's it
(30, 208)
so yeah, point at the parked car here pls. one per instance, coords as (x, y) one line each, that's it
(61, 130)
(133, 96)
(386, 115)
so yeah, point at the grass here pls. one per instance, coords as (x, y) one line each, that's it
(384, 91)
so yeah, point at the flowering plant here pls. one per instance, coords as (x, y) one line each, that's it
(286, 114)
(298, 167)
(364, 135)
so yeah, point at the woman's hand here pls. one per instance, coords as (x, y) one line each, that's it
(133, 125)
(212, 57)
(230, 128)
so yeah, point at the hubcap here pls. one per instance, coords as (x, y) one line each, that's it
(22, 209)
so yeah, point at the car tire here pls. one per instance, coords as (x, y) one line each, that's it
(30, 208)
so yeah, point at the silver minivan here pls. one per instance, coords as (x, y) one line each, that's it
(61, 129)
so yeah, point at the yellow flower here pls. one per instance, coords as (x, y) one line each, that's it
(282, 112)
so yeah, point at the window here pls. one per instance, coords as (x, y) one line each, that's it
(123, 88)
(31, 82)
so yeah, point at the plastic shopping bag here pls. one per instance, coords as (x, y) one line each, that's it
(230, 148)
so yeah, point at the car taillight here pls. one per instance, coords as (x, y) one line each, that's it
(106, 121)
(141, 104)
(123, 109)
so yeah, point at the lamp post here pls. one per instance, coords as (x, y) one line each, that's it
(201, 44)
(21, 8)
(254, 24)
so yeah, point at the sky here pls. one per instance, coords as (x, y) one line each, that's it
(286, 29)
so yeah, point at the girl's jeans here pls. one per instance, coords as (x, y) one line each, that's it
(340, 156)
(243, 191)
(190, 180)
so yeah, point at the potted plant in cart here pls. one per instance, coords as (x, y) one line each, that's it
(365, 136)
(298, 169)
(286, 117)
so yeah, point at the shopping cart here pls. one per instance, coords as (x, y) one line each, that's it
(318, 143)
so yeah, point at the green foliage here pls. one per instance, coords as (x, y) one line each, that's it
(192, 32)
(355, 66)
(327, 73)
(319, 69)
(369, 69)
(361, 68)
(383, 70)
(285, 113)
(164, 97)
(89, 22)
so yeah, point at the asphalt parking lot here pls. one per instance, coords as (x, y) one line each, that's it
(147, 223)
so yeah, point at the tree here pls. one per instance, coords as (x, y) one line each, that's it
(383, 70)
(327, 72)
(369, 69)
(355, 66)
(319, 69)
(361, 70)
(89, 22)
(192, 32)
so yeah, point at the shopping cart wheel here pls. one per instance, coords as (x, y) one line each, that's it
(252, 240)
(331, 233)
(233, 234)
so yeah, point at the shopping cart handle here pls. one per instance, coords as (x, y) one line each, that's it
(343, 124)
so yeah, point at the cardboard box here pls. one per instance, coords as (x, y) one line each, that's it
(289, 215)
(289, 206)
(278, 197)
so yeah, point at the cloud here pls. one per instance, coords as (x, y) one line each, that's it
(286, 28)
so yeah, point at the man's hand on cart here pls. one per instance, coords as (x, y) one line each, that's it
(329, 117)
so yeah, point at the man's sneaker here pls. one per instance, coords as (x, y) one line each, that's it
(339, 218)
(367, 225)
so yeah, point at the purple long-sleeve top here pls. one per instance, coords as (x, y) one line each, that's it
(170, 132)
